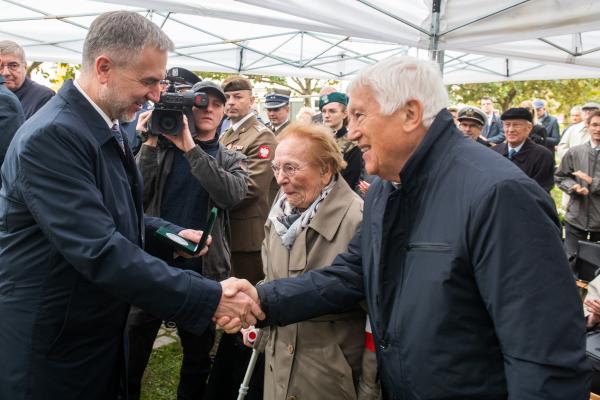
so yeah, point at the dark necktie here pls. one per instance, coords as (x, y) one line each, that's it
(117, 134)
(511, 153)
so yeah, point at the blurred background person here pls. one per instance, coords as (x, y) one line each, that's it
(453, 110)
(311, 221)
(577, 134)
(493, 130)
(318, 117)
(32, 95)
(538, 132)
(549, 122)
(305, 114)
(184, 177)
(333, 107)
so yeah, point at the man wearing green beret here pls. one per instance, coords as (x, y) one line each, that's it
(333, 108)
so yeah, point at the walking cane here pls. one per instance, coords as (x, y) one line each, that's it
(258, 338)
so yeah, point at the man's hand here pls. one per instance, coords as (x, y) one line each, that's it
(583, 176)
(593, 306)
(580, 190)
(363, 186)
(142, 125)
(239, 305)
(193, 236)
(183, 141)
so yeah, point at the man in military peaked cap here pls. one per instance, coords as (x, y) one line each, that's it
(471, 121)
(278, 111)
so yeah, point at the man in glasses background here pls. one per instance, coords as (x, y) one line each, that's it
(14, 71)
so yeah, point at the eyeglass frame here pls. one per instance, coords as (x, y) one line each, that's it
(291, 169)
(12, 66)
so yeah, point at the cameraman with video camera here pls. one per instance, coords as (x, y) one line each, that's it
(186, 172)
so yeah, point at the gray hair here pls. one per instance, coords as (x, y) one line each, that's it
(122, 34)
(397, 80)
(576, 109)
(10, 47)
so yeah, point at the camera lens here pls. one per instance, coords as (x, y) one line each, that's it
(168, 123)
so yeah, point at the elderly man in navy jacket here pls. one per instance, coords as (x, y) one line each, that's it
(72, 229)
(11, 117)
(459, 257)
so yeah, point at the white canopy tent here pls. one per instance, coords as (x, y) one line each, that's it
(477, 41)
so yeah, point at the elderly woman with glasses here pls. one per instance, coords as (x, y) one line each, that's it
(312, 220)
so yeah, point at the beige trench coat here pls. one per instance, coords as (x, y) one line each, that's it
(319, 359)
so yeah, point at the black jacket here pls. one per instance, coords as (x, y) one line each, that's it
(33, 96)
(535, 160)
(463, 303)
(71, 259)
(11, 117)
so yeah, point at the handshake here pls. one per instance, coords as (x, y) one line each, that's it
(239, 306)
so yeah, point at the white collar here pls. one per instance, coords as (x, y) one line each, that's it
(518, 148)
(102, 113)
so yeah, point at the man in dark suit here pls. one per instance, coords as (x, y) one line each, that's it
(11, 117)
(32, 95)
(535, 160)
(72, 229)
(493, 130)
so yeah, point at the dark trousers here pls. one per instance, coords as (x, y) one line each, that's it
(195, 367)
(247, 265)
(572, 236)
(231, 363)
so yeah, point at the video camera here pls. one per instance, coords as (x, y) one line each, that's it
(167, 117)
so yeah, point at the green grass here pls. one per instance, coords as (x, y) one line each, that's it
(162, 374)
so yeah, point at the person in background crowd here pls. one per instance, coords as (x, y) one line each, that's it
(312, 220)
(184, 177)
(257, 143)
(535, 160)
(453, 110)
(493, 130)
(11, 117)
(72, 230)
(333, 107)
(549, 122)
(305, 115)
(471, 121)
(14, 70)
(575, 116)
(318, 117)
(578, 175)
(278, 111)
(538, 132)
(458, 257)
(577, 134)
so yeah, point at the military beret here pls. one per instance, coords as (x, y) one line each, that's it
(472, 114)
(517, 113)
(590, 105)
(274, 100)
(235, 83)
(209, 87)
(182, 76)
(335, 97)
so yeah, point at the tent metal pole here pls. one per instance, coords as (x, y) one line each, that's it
(434, 51)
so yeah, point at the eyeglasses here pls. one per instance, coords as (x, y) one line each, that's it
(289, 170)
(12, 66)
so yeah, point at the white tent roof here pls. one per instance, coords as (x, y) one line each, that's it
(483, 41)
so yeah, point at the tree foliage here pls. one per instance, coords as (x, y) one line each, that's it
(561, 95)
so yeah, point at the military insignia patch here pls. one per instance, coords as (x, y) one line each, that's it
(264, 152)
